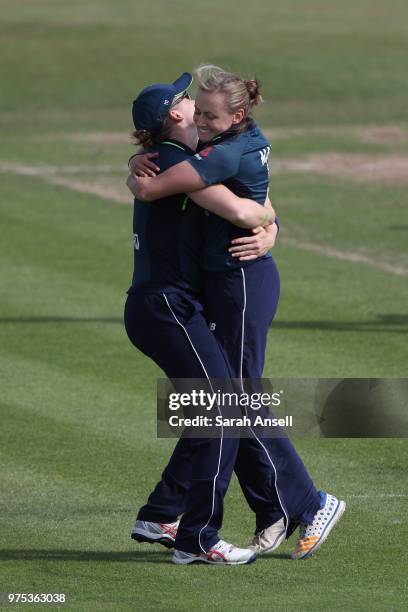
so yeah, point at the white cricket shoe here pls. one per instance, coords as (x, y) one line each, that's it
(312, 536)
(155, 533)
(268, 539)
(221, 553)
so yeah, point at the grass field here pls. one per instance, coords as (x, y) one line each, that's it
(78, 447)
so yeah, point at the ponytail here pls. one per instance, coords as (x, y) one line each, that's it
(253, 87)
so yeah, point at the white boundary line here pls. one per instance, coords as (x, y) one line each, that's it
(328, 251)
(379, 495)
(53, 176)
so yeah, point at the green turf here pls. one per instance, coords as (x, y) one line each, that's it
(77, 439)
(320, 61)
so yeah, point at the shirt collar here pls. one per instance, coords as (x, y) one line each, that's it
(177, 144)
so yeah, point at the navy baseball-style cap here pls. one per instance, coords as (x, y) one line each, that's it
(151, 106)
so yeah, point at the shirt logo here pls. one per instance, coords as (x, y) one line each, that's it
(136, 242)
(264, 153)
(206, 152)
(203, 153)
(212, 326)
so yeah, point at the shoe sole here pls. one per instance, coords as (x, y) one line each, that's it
(198, 560)
(147, 537)
(334, 520)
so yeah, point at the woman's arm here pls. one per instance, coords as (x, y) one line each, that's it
(242, 212)
(262, 240)
(180, 178)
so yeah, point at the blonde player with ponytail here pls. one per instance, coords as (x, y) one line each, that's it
(241, 298)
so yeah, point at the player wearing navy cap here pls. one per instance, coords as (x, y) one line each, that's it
(159, 251)
(151, 107)
(164, 319)
(241, 299)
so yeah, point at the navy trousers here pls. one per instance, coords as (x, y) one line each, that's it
(171, 329)
(240, 307)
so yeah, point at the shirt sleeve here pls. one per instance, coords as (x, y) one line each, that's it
(218, 163)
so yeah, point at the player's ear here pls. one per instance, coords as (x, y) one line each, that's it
(238, 116)
(175, 115)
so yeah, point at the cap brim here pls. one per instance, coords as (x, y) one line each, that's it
(183, 82)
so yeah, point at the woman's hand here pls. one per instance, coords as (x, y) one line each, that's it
(138, 186)
(142, 165)
(251, 247)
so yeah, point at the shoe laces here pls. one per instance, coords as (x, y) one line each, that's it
(257, 538)
(222, 546)
(170, 528)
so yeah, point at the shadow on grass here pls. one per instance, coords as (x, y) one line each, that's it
(399, 228)
(390, 323)
(273, 555)
(383, 323)
(142, 556)
(54, 319)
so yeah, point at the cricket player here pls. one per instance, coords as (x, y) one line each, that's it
(241, 300)
(164, 319)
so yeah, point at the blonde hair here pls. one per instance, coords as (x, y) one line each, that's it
(238, 93)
